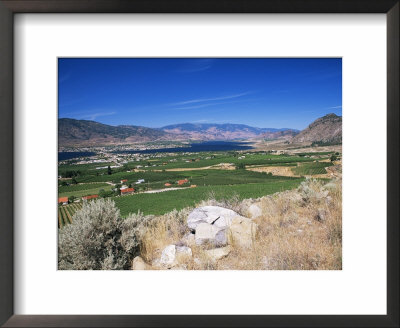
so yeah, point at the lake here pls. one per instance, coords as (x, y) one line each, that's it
(64, 155)
(194, 148)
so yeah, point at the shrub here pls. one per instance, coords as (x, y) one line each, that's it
(312, 190)
(98, 239)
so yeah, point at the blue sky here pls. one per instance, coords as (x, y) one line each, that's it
(154, 92)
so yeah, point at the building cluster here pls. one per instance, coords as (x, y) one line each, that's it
(64, 200)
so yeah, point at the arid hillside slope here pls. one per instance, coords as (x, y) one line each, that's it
(327, 129)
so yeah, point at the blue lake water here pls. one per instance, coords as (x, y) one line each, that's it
(194, 148)
(64, 155)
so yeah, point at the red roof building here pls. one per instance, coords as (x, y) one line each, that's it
(167, 184)
(181, 182)
(90, 197)
(127, 191)
(124, 180)
(63, 200)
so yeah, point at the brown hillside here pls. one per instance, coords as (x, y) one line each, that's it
(325, 129)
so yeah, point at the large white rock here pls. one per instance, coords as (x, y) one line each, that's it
(218, 253)
(215, 215)
(210, 233)
(168, 255)
(254, 211)
(242, 232)
(139, 264)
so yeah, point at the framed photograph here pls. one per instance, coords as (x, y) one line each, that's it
(191, 164)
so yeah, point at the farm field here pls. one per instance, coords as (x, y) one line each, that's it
(66, 212)
(85, 173)
(250, 179)
(87, 189)
(79, 187)
(160, 203)
(311, 168)
(252, 159)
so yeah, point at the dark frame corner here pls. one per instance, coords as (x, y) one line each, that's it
(10, 7)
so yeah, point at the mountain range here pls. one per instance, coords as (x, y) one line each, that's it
(326, 129)
(226, 131)
(72, 132)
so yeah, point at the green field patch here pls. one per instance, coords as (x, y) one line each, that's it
(311, 168)
(79, 187)
(160, 203)
(292, 164)
(320, 153)
(83, 167)
(258, 159)
(85, 192)
(228, 177)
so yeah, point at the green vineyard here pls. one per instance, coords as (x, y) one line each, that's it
(66, 212)
(311, 168)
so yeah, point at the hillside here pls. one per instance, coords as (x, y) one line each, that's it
(284, 134)
(227, 131)
(73, 132)
(297, 229)
(327, 129)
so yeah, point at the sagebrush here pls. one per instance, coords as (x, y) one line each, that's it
(99, 239)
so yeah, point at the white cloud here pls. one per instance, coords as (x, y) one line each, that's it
(211, 104)
(93, 116)
(200, 100)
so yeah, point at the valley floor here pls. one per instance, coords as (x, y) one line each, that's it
(291, 202)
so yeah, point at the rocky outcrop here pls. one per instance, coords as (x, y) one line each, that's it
(210, 226)
(214, 215)
(242, 232)
(209, 233)
(214, 224)
(327, 129)
(170, 255)
(218, 253)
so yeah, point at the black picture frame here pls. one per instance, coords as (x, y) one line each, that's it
(10, 7)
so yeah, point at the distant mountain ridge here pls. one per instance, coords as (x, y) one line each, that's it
(72, 132)
(225, 131)
(326, 129)
(222, 126)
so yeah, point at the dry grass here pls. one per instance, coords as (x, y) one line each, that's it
(298, 230)
(162, 231)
